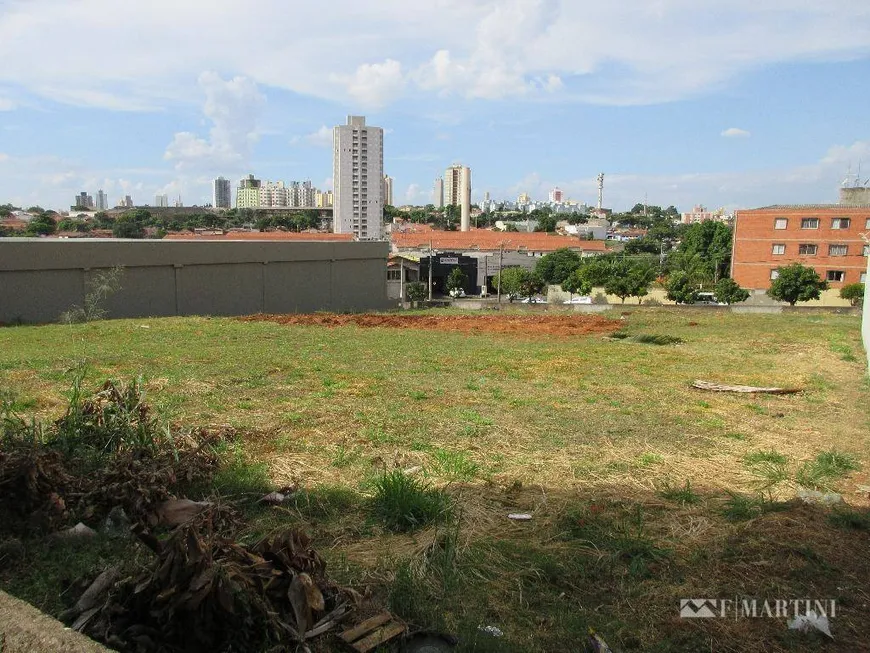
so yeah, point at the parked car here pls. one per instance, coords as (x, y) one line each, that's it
(533, 300)
(580, 299)
(708, 299)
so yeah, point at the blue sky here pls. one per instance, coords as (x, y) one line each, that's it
(724, 103)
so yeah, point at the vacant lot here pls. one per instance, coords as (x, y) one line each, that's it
(641, 490)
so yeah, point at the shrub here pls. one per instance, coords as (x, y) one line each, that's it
(405, 503)
(854, 292)
(796, 283)
(728, 292)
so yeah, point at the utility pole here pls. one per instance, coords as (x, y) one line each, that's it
(500, 258)
(402, 280)
(431, 265)
(484, 291)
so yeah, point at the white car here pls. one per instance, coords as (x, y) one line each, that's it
(533, 300)
(580, 299)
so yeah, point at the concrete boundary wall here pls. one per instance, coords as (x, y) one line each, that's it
(42, 278)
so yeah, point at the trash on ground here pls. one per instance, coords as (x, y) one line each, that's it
(78, 531)
(811, 621)
(495, 631)
(176, 512)
(823, 498)
(373, 632)
(520, 516)
(597, 643)
(718, 387)
(116, 524)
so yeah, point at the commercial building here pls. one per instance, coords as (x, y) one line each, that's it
(358, 170)
(102, 201)
(826, 237)
(161, 201)
(222, 196)
(84, 201)
(388, 190)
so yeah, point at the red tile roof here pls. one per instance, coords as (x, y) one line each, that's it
(261, 235)
(486, 240)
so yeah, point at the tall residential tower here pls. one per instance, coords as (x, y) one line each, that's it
(457, 192)
(357, 173)
(222, 196)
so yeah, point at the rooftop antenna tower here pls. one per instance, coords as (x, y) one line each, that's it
(600, 190)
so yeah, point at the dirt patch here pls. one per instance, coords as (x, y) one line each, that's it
(555, 325)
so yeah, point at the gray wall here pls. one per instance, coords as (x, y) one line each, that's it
(41, 278)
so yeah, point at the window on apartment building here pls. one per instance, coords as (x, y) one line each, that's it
(394, 275)
(774, 274)
(866, 251)
(808, 250)
(779, 249)
(780, 223)
(838, 250)
(840, 223)
(863, 277)
(810, 223)
(867, 224)
(835, 275)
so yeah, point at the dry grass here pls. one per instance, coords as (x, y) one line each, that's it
(548, 425)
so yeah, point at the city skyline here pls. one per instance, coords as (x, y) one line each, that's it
(744, 106)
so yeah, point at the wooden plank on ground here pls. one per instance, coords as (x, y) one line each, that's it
(364, 627)
(748, 389)
(378, 637)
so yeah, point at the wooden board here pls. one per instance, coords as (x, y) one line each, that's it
(748, 389)
(373, 632)
(378, 637)
(362, 628)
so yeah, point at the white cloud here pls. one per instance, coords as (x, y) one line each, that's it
(4, 157)
(320, 138)
(232, 106)
(374, 85)
(6, 104)
(735, 132)
(627, 52)
(413, 193)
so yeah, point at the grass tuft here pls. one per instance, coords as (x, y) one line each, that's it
(849, 518)
(405, 503)
(825, 469)
(325, 501)
(684, 495)
(742, 507)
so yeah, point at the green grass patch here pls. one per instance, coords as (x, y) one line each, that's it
(405, 503)
(827, 468)
(850, 518)
(325, 501)
(455, 465)
(683, 495)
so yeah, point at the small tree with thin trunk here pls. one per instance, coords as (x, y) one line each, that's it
(729, 292)
(796, 283)
(577, 283)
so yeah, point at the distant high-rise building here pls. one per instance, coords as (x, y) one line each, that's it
(323, 199)
(438, 195)
(248, 193)
(457, 192)
(486, 196)
(358, 170)
(274, 195)
(102, 201)
(222, 195)
(84, 201)
(388, 190)
(523, 199)
(306, 194)
(556, 196)
(161, 201)
(128, 202)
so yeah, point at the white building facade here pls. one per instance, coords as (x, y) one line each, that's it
(358, 171)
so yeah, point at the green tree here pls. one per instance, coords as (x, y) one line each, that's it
(645, 245)
(577, 283)
(520, 282)
(711, 241)
(728, 292)
(796, 283)
(456, 280)
(556, 267)
(416, 292)
(546, 222)
(681, 288)
(629, 279)
(854, 292)
(41, 225)
(129, 225)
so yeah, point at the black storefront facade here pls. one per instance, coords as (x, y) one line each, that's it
(444, 263)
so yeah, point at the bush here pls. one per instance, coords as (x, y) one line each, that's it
(728, 292)
(416, 292)
(681, 288)
(854, 292)
(404, 503)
